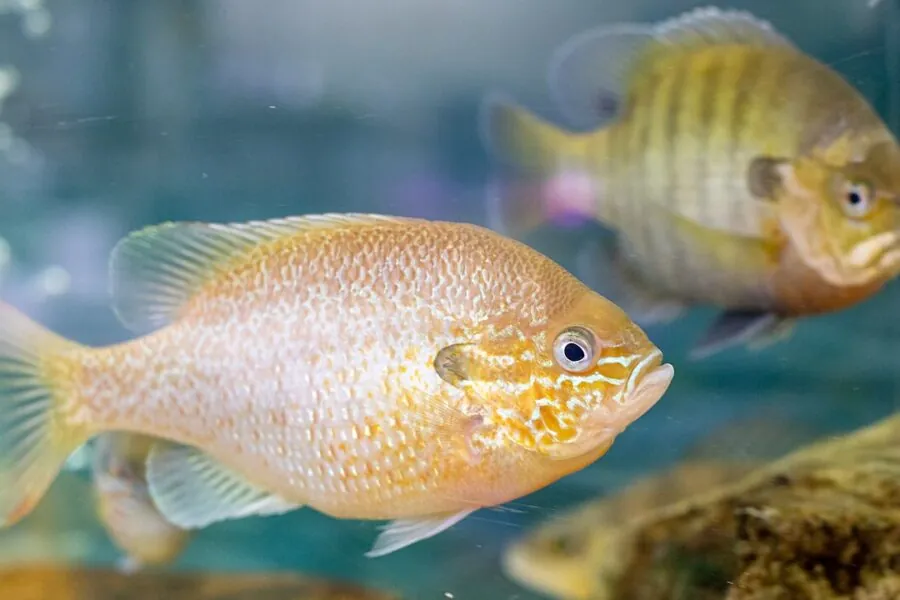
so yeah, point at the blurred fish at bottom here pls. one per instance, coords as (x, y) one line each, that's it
(125, 506)
(735, 170)
(578, 554)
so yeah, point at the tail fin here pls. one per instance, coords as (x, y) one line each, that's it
(35, 439)
(549, 181)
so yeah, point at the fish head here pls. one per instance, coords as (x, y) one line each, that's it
(598, 373)
(573, 556)
(567, 387)
(842, 211)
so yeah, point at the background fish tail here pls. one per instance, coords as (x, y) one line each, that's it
(544, 176)
(35, 438)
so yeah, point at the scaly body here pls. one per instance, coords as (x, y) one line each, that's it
(726, 148)
(310, 364)
(368, 367)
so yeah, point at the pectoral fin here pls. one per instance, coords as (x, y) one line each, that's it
(193, 490)
(756, 329)
(405, 532)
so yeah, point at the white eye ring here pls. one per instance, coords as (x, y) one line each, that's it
(857, 199)
(573, 349)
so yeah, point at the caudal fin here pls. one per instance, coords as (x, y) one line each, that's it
(545, 179)
(35, 438)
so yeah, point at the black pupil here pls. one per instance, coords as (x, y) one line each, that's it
(574, 352)
(854, 198)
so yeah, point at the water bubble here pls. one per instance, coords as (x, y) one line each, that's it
(54, 281)
(5, 256)
(37, 23)
(29, 5)
(9, 80)
(19, 152)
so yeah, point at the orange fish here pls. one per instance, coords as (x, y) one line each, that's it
(366, 366)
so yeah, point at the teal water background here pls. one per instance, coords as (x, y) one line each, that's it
(125, 114)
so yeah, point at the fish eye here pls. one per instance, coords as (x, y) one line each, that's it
(567, 544)
(573, 349)
(857, 199)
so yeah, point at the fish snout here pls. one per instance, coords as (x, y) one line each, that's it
(645, 386)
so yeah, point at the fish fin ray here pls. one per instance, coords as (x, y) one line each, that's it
(405, 532)
(193, 490)
(732, 328)
(711, 26)
(35, 438)
(535, 154)
(602, 268)
(154, 272)
(590, 74)
(515, 135)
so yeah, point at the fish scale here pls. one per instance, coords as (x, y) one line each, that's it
(368, 367)
(726, 173)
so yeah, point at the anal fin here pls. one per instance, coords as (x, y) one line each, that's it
(193, 490)
(755, 329)
(405, 532)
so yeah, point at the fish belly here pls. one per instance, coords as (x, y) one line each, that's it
(320, 412)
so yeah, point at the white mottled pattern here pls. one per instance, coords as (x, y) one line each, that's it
(308, 367)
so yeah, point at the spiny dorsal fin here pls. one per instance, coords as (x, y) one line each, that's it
(156, 270)
(711, 26)
(193, 490)
(591, 73)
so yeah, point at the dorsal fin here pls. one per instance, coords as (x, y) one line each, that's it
(155, 271)
(711, 26)
(590, 74)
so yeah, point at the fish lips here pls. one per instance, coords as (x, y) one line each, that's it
(646, 385)
(653, 381)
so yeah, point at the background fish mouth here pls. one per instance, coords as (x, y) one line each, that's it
(879, 251)
(553, 579)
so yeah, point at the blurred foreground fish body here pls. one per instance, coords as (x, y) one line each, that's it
(124, 504)
(579, 554)
(367, 366)
(736, 171)
(711, 529)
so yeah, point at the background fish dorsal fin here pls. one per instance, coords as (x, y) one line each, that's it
(711, 26)
(154, 272)
(590, 74)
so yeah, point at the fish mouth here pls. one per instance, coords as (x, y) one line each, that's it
(645, 386)
(559, 579)
(880, 252)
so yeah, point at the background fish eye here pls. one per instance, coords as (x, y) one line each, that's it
(857, 200)
(573, 349)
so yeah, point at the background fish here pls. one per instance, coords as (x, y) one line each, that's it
(579, 553)
(369, 367)
(736, 171)
(124, 504)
